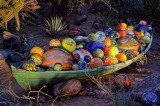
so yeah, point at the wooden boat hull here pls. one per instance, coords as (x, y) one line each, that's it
(35, 80)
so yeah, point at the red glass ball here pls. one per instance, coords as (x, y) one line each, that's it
(122, 82)
(76, 57)
(106, 50)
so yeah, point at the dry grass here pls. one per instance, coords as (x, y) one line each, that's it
(118, 98)
(9, 98)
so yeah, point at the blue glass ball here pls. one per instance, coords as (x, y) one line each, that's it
(107, 31)
(135, 37)
(87, 58)
(151, 98)
(40, 69)
(82, 64)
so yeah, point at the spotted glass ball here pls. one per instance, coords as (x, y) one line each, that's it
(100, 36)
(29, 66)
(69, 44)
(37, 50)
(54, 43)
(82, 65)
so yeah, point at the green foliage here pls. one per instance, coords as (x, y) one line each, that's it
(54, 26)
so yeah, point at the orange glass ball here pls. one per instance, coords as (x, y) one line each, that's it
(121, 26)
(122, 82)
(122, 57)
(122, 33)
(109, 61)
(108, 42)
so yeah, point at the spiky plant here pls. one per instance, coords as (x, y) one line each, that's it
(54, 26)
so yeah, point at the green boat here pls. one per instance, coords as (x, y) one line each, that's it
(36, 80)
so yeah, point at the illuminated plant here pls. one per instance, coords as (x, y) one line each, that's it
(10, 9)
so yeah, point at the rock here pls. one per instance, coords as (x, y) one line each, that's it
(5, 53)
(5, 72)
(11, 41)
(90, 93)
(101, 94)
(97, 25)
(15, 57)
(149, 84)
(71, 87)
(83, 93)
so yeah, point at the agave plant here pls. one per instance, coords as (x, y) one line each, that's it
(10, 9)
(54, 26)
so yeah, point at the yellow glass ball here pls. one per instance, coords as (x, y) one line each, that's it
(131, 28)
(69, 44)
(140, 35)
(54, 43)
(29, 66)
(37, 59)
(37, 50)
(124, 25)
(113, 51)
